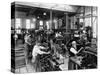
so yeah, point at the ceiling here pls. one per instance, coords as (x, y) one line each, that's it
(38, 9)
(60, 7)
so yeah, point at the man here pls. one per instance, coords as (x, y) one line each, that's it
(53, 47)
(37, 50)
(73, 55)
(27, 46)
(27, 39)
(73, 49)
(15, 37)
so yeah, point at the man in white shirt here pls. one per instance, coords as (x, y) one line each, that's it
(27, 46)
(73, 48)
(37, 50)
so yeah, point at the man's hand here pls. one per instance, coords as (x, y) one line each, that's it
(48, 52)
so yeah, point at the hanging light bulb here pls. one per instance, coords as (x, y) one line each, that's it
(44, 13)
(34, 19)
(38, 17)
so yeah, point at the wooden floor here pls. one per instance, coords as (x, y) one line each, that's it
(26, 69)
(30, 69)
(64, 66)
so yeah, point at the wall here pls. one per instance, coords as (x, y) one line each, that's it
(22, 16)
(88, 15)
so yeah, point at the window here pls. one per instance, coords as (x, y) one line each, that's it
(18, 31)
(47, 24)
(18, 23)
(28, 24)
(94, 27)
(95, 23)
(41, 23)
(81, 20)
(55, 23)
(33, 24)
(88, 21)
(94, 11)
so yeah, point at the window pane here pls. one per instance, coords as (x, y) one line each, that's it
(18, 23)
(41, 23)
(94, 27)
(33, 23)
(81, 20)
(28, 23)
(87, 21)
(87, 10)
(18, 31)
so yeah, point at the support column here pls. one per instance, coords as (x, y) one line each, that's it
(67, 23)
(50, 19)
(83, 17)
(92, 21)
(67, 27)
(97, 22)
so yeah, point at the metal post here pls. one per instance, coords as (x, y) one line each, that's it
(67, 23)
(83, 17)
(97, 22)
(50, 19)
(92, 19)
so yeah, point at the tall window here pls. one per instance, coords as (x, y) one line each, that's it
(18, 23)
(33, 24)
(55, 23)
(41, 24)
(48, 25)
(95, 22)
(28, 24)
(88, 21)
(95, 27)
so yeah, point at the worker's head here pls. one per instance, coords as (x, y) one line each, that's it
(38, 43)
(84, 32)
(51, 41)
(74, 43)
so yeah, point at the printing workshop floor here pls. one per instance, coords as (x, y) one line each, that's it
(30, 69)
(26, 69)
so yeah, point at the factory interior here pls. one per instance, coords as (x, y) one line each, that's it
(53, 37)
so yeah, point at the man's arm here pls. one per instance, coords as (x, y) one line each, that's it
(42, 52)
(73, 51)
(80, 49)
(41, 47)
